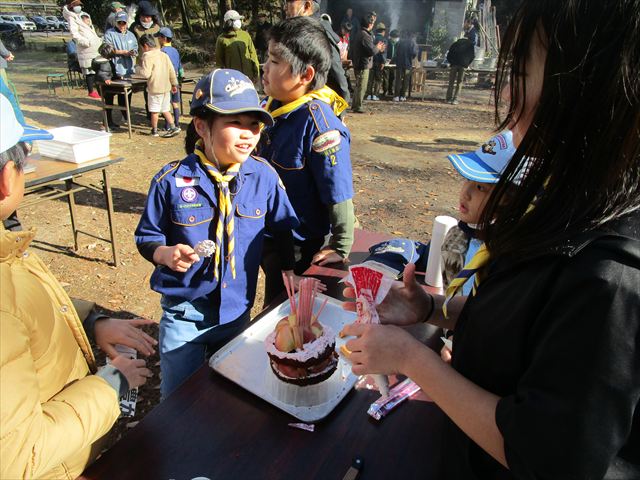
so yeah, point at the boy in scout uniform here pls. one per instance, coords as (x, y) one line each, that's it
(308, 146)
(220, 194)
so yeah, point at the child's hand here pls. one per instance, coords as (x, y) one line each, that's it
(110, 332)
(179, 257)
(134, 370)
(326, 256)
(174, 89)
(107, 82)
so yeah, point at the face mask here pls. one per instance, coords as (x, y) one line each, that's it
(147, 24)
(237, 24)
(394, 40)
(77, 9)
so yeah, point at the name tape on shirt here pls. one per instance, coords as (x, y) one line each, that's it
(187, 181)
(326, 140)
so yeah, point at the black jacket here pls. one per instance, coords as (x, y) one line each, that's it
(406, 51)
(558, 339)
(336, 78)
(362, 50)
(461, 53)
(104, 69)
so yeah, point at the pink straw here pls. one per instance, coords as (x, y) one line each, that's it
(322, 308)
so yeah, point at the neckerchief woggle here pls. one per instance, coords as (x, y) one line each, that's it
(324, 94)
(225, 211)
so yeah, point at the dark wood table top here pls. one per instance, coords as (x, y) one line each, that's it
(213, 428)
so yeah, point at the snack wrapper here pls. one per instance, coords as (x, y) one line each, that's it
(398, 394)
(371, 287)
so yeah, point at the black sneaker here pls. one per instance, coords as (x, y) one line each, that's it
(172, 132)
(154, 132)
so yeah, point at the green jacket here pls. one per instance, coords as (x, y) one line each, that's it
(234, 49)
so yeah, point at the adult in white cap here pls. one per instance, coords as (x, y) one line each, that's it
(235, 48)
(54, 405)
(87, 41)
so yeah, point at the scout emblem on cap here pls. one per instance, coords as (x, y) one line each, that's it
(489, 147)
(199, 93)
(236, 87)
(188, 194)
(326, 140)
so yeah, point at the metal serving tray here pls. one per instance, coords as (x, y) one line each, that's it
(244, 361)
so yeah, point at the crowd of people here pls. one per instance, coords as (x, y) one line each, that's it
(540, 375)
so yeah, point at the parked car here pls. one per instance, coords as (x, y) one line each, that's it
(19, 21)
(41, 23)
(55, 22)
(65, 24)
(11, 36)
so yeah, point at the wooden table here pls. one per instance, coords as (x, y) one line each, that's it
(120, 87)
(53, 179)
(213, 428)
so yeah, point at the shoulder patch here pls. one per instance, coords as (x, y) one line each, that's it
(167, 169)
(326, 141)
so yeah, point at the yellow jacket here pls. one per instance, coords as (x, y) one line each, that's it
(51, 408)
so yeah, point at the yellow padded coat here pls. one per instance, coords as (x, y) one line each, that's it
(51, 408)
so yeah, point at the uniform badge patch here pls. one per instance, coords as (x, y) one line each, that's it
(187, 181)
(188, 194)
(326, 140)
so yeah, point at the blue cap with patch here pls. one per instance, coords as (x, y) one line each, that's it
(486, 164)
(165, 32)
(228, 91)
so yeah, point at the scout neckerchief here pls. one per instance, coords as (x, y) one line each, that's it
(479, 260)
(324, 94)
(225, 215)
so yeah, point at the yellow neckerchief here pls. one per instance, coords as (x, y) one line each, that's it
(324, 94)
(479, 260)
(225, 215)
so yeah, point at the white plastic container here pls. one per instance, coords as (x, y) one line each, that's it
(75, 144)
(441, 226)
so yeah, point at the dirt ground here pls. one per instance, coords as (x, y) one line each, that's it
(401, 177)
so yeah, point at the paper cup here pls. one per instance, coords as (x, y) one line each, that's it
(441, 226)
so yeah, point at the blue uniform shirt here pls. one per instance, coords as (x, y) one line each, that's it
(174, 56)
(182, 207)
(310, 149)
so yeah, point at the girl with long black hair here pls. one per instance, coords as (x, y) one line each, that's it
(545, 374)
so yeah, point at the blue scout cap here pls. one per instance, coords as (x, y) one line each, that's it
(486, 164)
(165, 32)
(122, 17)
(228, 91)
(391, 256)
(13, 131)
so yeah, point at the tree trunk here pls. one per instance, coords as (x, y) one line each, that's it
(186, 23)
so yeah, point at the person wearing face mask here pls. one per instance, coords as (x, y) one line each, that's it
(147, 22)
(86, 39)
(235, 49)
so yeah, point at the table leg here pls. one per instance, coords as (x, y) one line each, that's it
(71, 200)
(126, 102)
(109, 200)
(104, 110)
